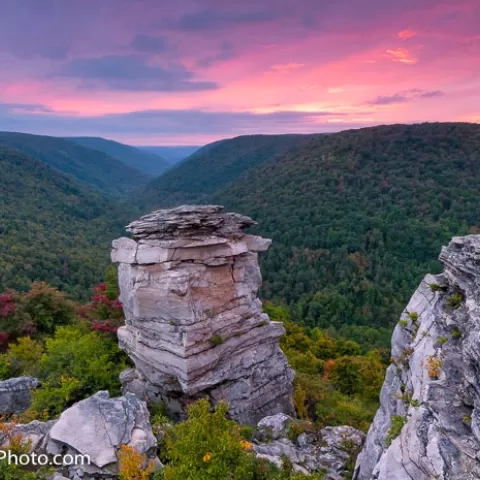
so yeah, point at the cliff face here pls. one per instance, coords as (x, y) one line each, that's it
(194, 325)
(428, 425)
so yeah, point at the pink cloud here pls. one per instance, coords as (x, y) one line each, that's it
(401, 55)
(406, 34)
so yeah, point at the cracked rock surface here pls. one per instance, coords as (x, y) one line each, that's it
(329, 449)
(96, 428)
(194, 326)
(15, 394)
(432, 387)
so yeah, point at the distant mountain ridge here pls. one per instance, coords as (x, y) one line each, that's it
(174, 154)
(142, 160)
(87, 166)
(214, 166)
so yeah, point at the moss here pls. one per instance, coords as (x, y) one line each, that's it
(217, 340)
(455, 333)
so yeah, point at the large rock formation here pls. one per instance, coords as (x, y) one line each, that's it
(428, 425)
(194, 325)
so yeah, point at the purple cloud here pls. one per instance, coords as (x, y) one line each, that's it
(149, 44)
(131, 72)
(406, 96)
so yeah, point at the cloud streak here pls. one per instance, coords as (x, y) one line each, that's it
(131, 72)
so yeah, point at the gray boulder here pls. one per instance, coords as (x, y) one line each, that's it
(15, 394)
(99, 425)
(330, 449)
(94, 428)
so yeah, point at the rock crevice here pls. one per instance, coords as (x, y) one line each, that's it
(194, 326)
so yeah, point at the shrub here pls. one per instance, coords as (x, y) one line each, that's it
(299, 401)
(434, 366)
(437, 288)
(208, 445)
(397, 422)
(133, 465)
(413, 316)
(14, 442)
(455, 300)
(76, 363)
(22, 358)
(441, 340)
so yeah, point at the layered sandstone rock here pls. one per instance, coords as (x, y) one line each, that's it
(194, 325)
(428, 424)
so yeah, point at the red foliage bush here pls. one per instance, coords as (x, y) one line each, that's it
(7, 305)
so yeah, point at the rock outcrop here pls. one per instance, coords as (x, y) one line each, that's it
(330, 449)
(94, 428)
(15, 394)
(194, 325)
(428, 425)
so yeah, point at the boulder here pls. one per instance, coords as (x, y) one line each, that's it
(15, 394)
(94, 428)
(97, 426)
(330, 449)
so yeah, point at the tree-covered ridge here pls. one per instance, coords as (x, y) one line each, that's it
(142, 160)
(214, 166)
(358, 217)
(89, 167)
(51, 228)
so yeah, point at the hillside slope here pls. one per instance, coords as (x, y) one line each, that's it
(89, 167)
(145, 161)
(357, 217)
(214, 166)
(52, 229)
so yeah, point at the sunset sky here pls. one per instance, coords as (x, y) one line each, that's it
(152, 72)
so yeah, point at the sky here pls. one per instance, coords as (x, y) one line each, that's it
(163, 72)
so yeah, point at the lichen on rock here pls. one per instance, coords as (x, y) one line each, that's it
(194, 326)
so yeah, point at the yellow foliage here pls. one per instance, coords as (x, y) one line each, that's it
(207, 457)
(434, 366)
(246, 445)
(134, 465)
(14, 440)
(299, 400)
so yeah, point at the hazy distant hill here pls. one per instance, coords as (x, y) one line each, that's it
(89, 167)
(356, 217)
(215, 165)
(51, 228)
(172, 154)
(143, 160)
